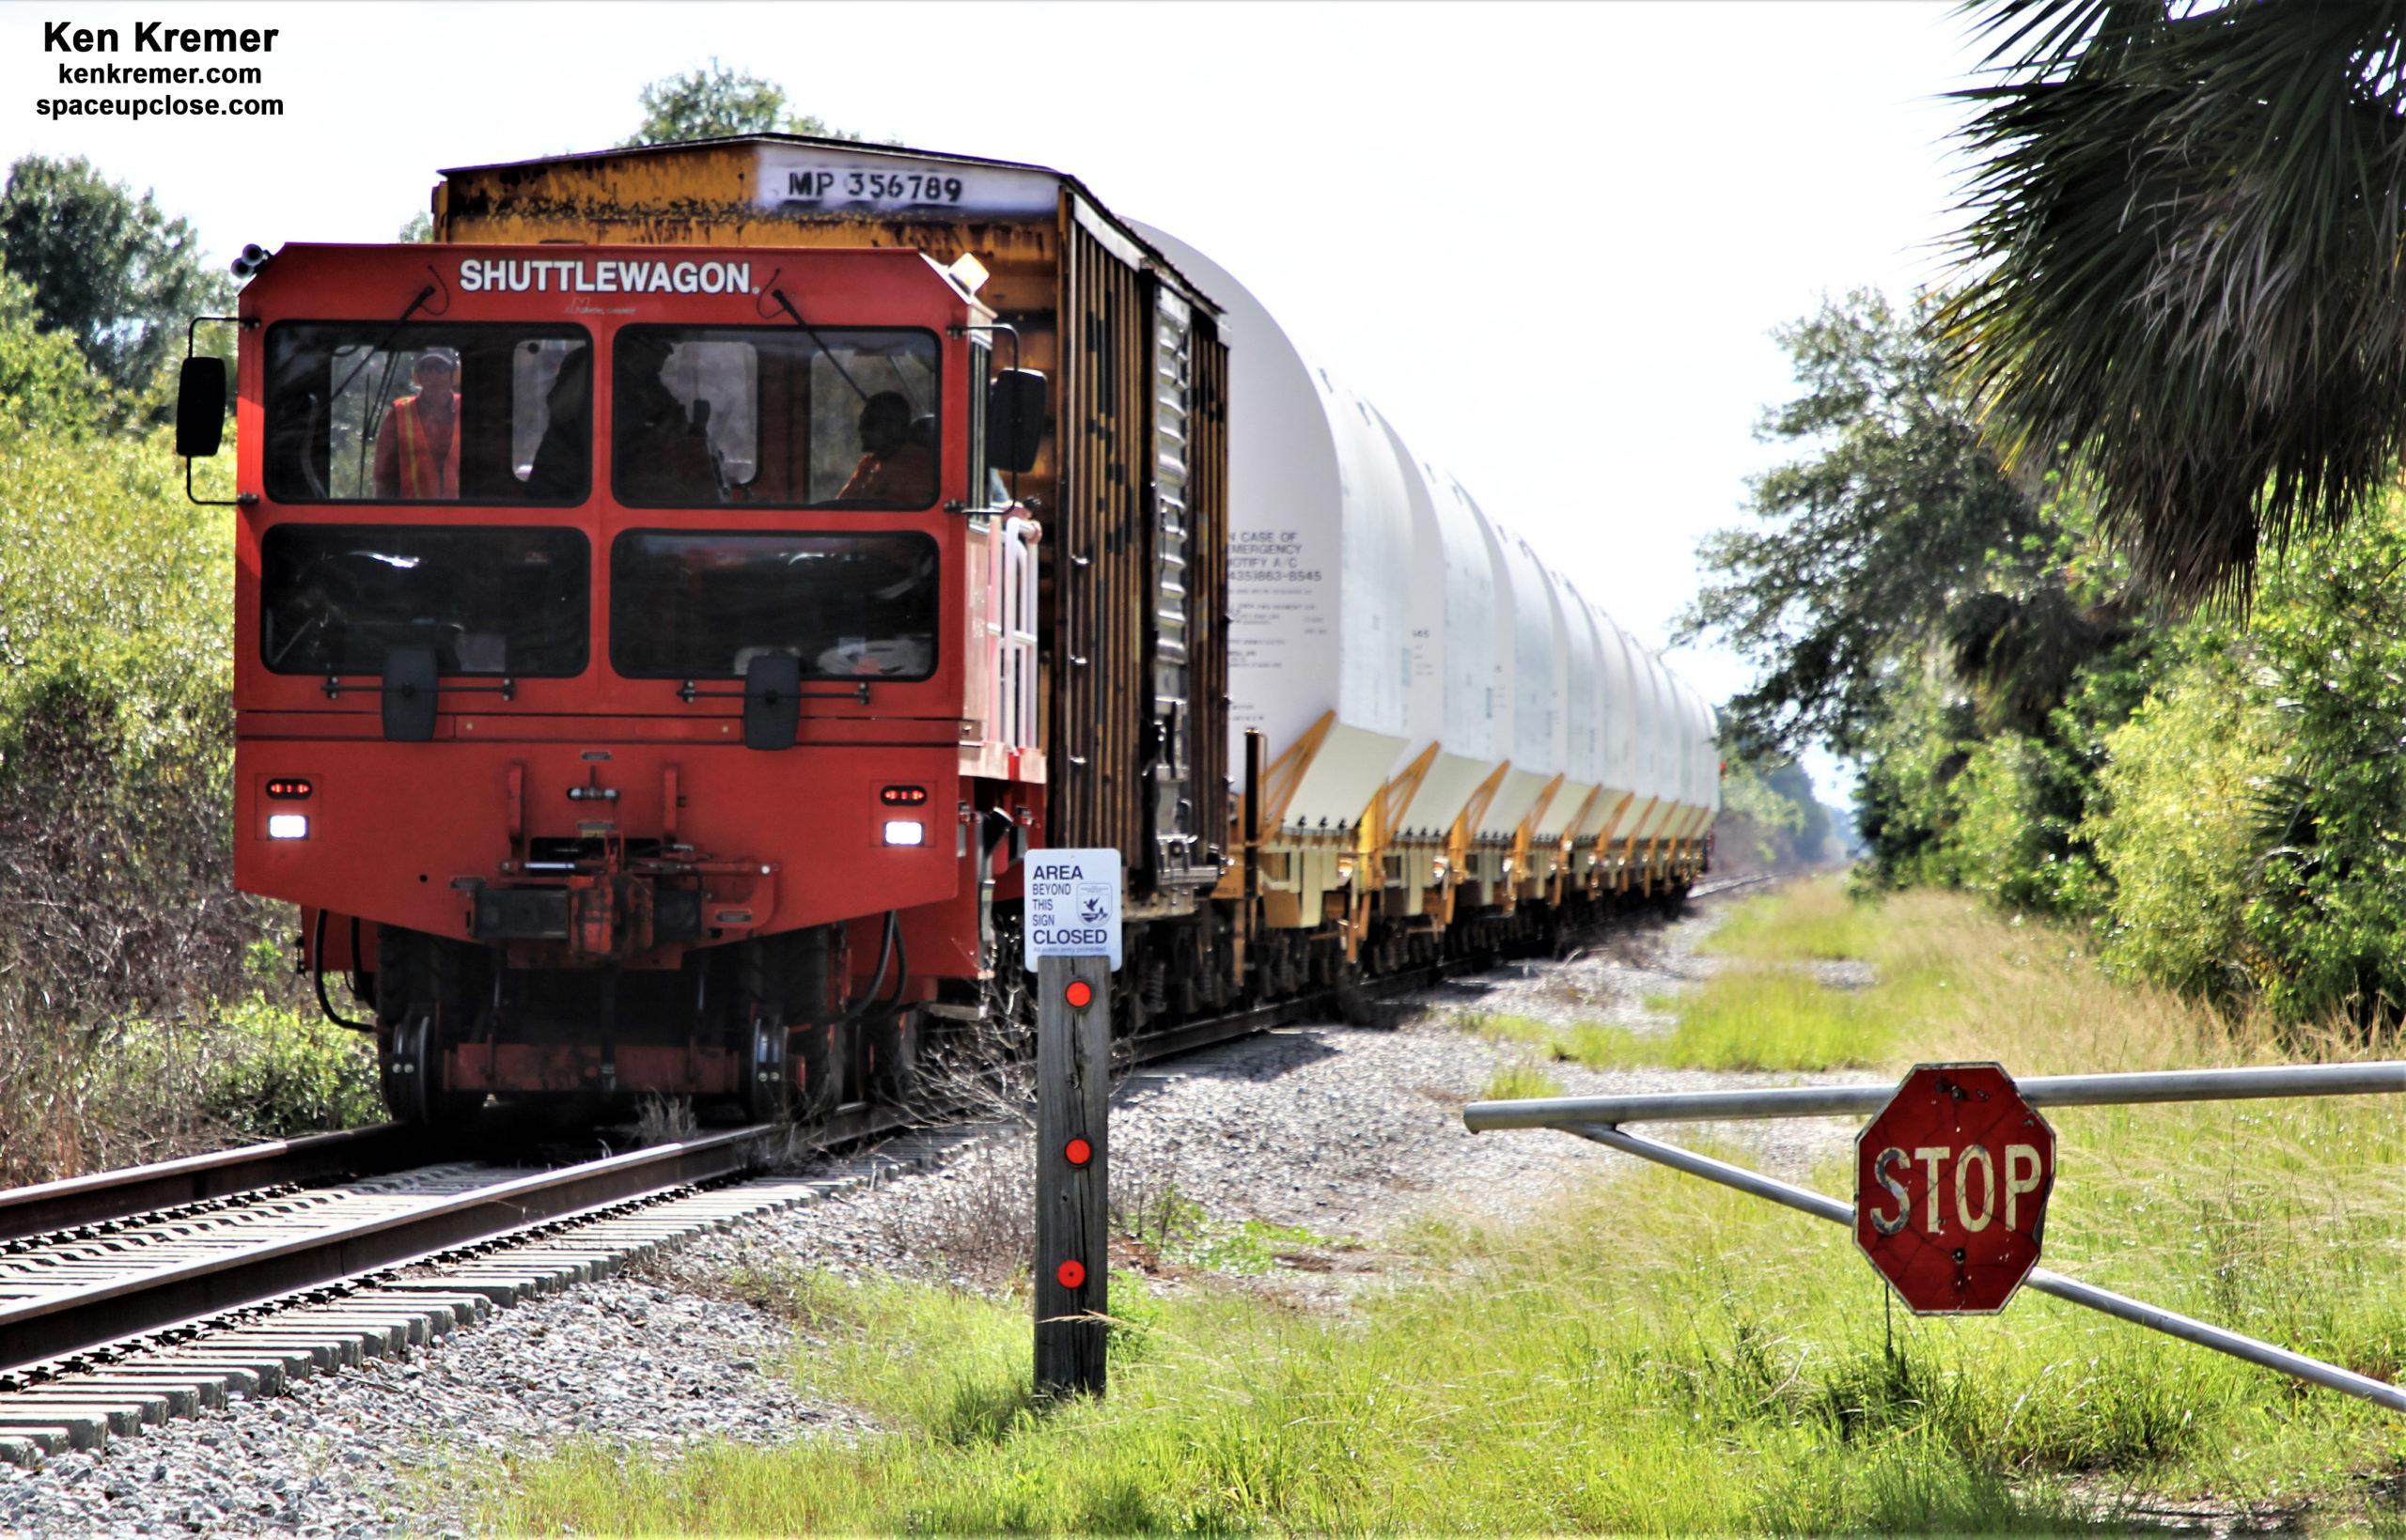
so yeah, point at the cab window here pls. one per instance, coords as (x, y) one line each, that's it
(774, 417)
(333, 598)
(689, 605)
(362, 411)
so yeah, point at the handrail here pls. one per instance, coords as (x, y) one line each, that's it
(2344, 1079)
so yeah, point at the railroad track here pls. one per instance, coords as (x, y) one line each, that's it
(133, 1295)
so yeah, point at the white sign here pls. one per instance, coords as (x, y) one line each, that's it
(810, 180)
(1073, 905)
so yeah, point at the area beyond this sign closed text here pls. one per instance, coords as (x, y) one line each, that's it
(1073, 905)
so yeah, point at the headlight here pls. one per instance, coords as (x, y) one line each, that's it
(288, 826)
(905, 832)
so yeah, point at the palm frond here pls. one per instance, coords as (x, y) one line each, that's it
(2188, 276)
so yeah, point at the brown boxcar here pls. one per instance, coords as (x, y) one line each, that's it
(1132, 482)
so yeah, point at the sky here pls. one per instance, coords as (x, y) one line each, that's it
(1550, 242)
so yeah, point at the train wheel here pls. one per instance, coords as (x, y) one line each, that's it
(404, 1066)
(410, 1070)
(820, 1078)
(421, 986)
(767, 1080)
(890, 1057)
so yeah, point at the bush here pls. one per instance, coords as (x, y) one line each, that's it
(119, 927)
(275, 1072)
(2175, 825)
(2016, 836)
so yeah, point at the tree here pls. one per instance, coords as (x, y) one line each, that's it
(717, 101)
(1896, 533)
(2184, 246)
(108, 270)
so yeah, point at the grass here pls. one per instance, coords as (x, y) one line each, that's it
(1746, 1020)
(1764, 1009)
(1810, 922)
(1661, 1356)
(1518, 1080)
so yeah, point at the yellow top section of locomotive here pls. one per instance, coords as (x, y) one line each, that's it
(786, 189)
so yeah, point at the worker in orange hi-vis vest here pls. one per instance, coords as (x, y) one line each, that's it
(417, 450)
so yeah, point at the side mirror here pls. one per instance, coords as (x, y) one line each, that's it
(200, 407)
(771, 701)
(409, 687)
(1014, 420)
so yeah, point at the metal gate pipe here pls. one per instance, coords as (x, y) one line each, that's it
(2139, 1313)
(2152, 1085)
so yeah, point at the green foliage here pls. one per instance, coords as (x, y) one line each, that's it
(2175, 825)
(2329, 911)
(107, 270)
(2183, 251)
(1769, 819)
(1893, 532)
(117, 914)
(278, 1072)
(717, 101)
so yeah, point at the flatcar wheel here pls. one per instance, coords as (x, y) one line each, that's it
(411, 1069)
(767, 1081)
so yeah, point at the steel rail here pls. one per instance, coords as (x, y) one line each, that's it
(2138, 1311)
(2346, 1080)
(70, 1321)
(48, 1207)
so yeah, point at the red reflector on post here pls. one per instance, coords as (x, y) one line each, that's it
(1080, 994)
(1078, 1151)
(1072, 1274)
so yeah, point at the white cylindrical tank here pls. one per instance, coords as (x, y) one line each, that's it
(1321, 547)
(1525, 692)
(1657, 746)
(1706, 790)
(1684, 810)
(1683, 807)
(1453, 640)
(1574, 752)
(1616, 805)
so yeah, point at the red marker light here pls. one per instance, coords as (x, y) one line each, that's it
(1072, 1274)
(903, 796)
(1080, 994)
(1078, 1151)
(289, 789)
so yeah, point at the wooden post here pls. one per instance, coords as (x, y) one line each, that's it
(1072, 1197)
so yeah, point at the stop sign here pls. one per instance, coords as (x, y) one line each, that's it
(1950, 1189)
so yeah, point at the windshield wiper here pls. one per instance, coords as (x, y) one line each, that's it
(423, 295)
(829, 353)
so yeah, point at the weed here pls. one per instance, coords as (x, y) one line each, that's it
(1744, 1019)
(1520, 1079)
(1498, 1027)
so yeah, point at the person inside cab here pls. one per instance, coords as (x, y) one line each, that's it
(558, 470)
(418, 448)
(897, 463)
(664, 451)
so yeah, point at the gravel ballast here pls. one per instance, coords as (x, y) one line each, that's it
(1345, 1133)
